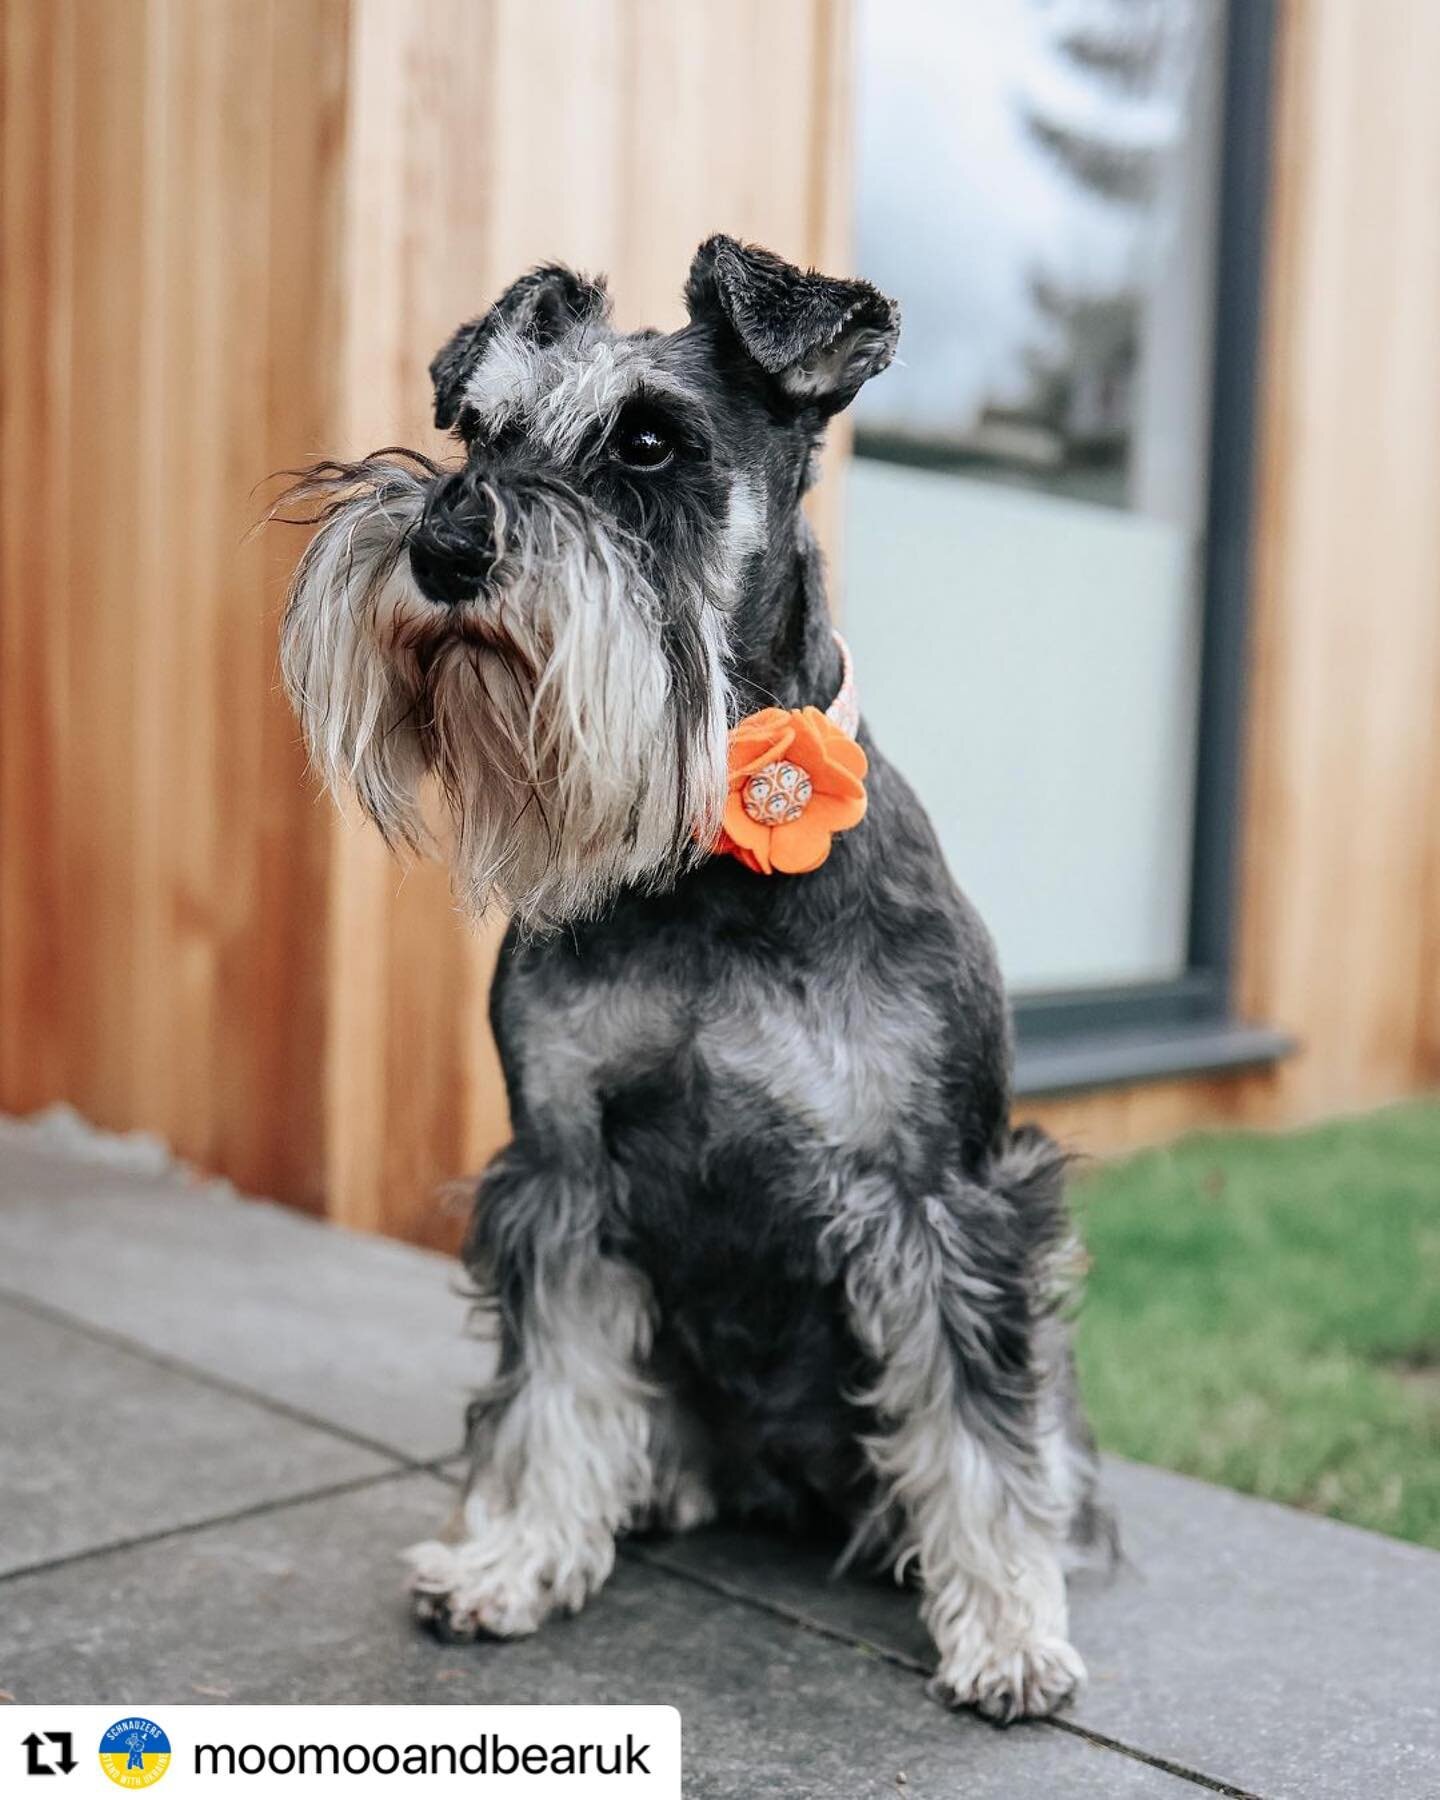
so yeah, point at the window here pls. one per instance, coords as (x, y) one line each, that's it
(1048, 508)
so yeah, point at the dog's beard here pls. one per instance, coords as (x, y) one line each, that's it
(576, 726)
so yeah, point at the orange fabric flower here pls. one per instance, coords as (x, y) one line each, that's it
(831, 765)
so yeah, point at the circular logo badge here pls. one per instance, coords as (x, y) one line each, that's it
(134, 1753)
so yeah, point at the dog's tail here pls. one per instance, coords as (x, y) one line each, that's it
(1030, 1172)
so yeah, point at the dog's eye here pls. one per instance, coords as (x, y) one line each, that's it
(641, 440)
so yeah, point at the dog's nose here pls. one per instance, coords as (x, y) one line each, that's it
(452, 549)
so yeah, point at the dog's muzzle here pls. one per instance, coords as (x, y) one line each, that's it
(453, 548)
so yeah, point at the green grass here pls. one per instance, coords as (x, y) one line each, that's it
(1265, 1312)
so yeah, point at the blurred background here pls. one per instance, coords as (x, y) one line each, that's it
(1137, 546)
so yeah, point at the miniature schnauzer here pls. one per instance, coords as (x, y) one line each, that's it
(765, 1243)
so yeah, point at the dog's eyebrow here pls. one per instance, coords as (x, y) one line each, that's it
(679, 405)
(581, 408)
(506, 381)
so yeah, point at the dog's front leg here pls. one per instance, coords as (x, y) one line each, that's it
(959, 1457)
(559, 1445)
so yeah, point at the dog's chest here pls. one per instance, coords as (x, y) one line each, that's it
(835, 1066)
(841, 1064)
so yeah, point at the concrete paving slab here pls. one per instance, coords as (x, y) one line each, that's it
(303, 1604)
(1279, 1654)
(1282, 1654)
(357, 1330)
(97, 1446)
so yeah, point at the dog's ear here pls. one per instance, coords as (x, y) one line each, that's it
(820, 339)
(541, 307)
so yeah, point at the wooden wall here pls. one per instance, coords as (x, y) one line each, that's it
(168, 185)
(234, 231)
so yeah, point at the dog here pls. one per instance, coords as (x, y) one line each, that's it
(765, 1244)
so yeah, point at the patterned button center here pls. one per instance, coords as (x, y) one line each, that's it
(777, 794)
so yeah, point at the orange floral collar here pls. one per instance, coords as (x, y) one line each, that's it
(797, 777)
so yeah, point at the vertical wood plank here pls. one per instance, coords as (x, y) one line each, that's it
(36, 202)
(274, 1142)
(404, 980)
(97, 897)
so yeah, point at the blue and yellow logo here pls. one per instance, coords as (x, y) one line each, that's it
(134, 1753)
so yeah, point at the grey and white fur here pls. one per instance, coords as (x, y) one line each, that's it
(765, 1243)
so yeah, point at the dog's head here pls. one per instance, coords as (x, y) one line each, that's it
(551, 625)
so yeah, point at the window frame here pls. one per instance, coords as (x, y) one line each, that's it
(1096, 1037)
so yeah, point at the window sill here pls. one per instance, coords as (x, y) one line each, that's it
(1101, 1059)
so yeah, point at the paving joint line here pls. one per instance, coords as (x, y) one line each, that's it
(238, 1390)
(193, 1527)
(257, 1509)
(912, 1665)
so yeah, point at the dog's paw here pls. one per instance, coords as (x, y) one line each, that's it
(1027, 1682)
(503, 1585)
(460, 1596)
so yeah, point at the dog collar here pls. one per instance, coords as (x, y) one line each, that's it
(844, 709)
(796, 777)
